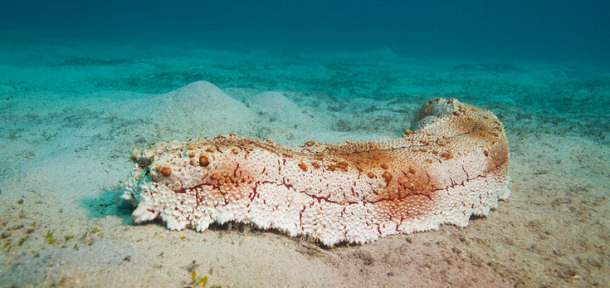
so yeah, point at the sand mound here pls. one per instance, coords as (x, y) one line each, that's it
(203, 108)
(273, 100)
(201, 94)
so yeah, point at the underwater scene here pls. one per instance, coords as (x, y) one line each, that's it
(304, 143)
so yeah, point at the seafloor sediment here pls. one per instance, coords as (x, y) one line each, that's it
(71, 114)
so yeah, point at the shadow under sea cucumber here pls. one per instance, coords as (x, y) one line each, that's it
(453, 166)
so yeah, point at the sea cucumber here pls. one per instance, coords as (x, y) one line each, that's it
(453, 166)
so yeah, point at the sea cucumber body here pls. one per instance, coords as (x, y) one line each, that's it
(454, 166)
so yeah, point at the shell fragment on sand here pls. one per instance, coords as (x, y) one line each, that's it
(454, 166)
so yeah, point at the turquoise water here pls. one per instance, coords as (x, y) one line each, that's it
(544, 29)
(83, 84)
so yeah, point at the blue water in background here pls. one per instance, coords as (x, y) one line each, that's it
(543, 29)
(83, 83)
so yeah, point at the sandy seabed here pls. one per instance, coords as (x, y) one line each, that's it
(71, 114)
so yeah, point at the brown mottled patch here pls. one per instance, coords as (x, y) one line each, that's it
(310, 143)
(446, 155)
(303, 166)
(315, 165)
(384, 166)
(486, 153)
(371, 175)
(164, 171)
(387, 177)
(366, 155)
(204, 161)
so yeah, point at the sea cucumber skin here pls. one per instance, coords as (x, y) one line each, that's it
(454, 166)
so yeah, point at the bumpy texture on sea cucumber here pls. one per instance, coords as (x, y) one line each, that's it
(455, 165)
